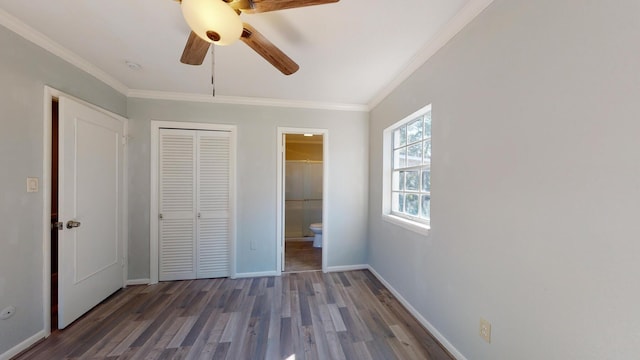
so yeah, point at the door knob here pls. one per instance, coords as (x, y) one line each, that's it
(72, 224)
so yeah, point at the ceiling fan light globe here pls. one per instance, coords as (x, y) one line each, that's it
(204, 16)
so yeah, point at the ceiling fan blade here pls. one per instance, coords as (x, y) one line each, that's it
(195, 50)
(267, 50)
(259, 6)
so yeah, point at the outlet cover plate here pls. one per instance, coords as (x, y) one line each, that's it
(485, 330)
(32, 184)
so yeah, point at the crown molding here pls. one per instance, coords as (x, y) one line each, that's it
(236, 100)
(470, 11)
(12, 23)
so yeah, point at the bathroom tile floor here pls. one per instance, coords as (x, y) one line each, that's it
(302, 256)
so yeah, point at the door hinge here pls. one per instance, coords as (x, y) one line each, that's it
(58, 225)
(124, 139)
(160, 216)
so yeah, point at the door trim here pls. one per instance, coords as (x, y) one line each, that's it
(280, 193)
(156, 125)
(49, 94)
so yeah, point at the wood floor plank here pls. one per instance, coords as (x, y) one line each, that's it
(275, 298)
(336, 317)
(179, 336)
(125, 344)
(213, 341)
(239, 335)
(286, 338)
(308, 315)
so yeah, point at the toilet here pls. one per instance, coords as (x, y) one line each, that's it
(317, 231)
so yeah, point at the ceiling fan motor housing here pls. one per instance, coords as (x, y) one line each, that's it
(212, 20)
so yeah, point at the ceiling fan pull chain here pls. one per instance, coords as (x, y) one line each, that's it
(213, 70)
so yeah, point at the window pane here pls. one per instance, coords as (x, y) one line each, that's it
(414, 131)
(412, 204)
(427, 151)
(400, 158)
(426, 180)
(427, 124)
(400, 137)
(426, 207)
(397, 181)
(414, 154)
(397, 202)
(413, 180)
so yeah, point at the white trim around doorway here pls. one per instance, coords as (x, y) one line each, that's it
(280, 193)
(153, 217)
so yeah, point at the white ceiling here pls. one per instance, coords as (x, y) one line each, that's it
(349, 52)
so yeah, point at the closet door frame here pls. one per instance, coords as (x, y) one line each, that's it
(154, 188)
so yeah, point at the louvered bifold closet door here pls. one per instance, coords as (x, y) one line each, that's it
(177, 203)
(214, 163)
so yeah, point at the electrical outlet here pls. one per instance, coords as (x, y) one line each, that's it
(485, 330)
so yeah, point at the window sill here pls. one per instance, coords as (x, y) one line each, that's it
(422, 229)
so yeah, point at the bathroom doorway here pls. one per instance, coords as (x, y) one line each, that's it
(302, 173)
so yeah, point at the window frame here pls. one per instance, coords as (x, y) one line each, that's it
(410, 222)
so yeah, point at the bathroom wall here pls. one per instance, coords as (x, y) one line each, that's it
(303, 197)
(302, 151)
(303, 184)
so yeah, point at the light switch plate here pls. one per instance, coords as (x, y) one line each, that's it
(32, 184)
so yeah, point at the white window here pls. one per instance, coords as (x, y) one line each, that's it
(407, 171)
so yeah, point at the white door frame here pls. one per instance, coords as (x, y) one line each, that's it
(49, 94)
(153, 212)
(280, 155)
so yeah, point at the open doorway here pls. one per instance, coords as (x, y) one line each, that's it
(302, 200)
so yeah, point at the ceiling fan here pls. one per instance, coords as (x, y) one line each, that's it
(218, 22)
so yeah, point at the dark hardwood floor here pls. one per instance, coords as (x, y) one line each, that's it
(302, 256)
(309, 315)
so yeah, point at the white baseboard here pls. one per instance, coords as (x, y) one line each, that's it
(457, 354)
(347, 267)
(131, 282)
(23, 346)
(255, 274)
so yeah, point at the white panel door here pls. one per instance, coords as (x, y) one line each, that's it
(177, 205)
(90, 188)
(213, 194)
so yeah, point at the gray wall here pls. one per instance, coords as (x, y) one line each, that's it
(256, 177)
(536, 183)
(24, 71)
